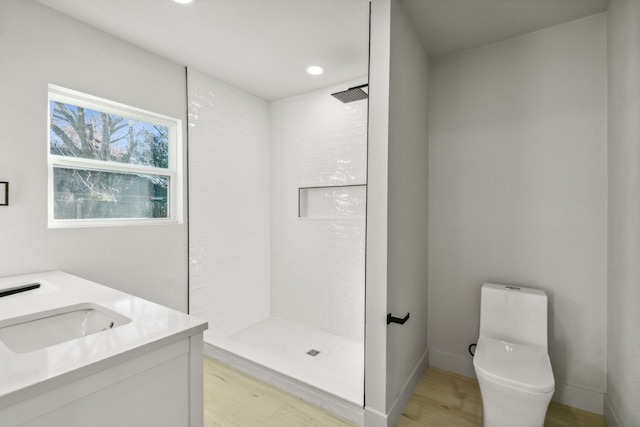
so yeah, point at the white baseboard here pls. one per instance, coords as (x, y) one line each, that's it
(577, 397)
(609, 413)
(409, 387)
(452, 363)
(373, 418)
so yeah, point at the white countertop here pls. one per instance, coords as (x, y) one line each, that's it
(152, 326)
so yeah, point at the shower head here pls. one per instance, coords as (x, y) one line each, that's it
(352, 94)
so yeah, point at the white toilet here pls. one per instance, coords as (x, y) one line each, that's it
(511, 360)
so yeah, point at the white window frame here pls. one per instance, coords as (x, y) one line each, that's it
(173, 172)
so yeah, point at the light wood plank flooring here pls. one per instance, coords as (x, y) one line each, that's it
(449, 400)
(442, 399)
(233, 399)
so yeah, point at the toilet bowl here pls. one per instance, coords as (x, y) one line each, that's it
(511, 360)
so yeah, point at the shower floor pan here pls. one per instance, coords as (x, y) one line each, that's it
(322, 368)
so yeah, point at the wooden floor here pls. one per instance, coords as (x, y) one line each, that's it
(449, 400)
(233, 399)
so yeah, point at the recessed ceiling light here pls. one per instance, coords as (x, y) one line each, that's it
(315, 70)
(183, 1)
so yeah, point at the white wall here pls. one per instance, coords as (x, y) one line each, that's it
(396, 215)
(317, 263)
(377, 189)
(39, 46)
(230, 202)
(517, 195)
(407, 203)
(623, 314)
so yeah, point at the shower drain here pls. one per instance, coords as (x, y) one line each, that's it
(313, 352)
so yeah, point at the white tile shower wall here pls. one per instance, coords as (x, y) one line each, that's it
(317, 269)
(229, 197)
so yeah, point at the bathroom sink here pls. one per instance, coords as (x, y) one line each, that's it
(44, 329)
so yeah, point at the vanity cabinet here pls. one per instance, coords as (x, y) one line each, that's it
(147, 372)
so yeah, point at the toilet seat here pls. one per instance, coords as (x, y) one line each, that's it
(514, 365)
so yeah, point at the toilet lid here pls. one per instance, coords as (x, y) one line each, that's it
(524, 367)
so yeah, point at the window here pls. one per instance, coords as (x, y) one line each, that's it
(110, 164)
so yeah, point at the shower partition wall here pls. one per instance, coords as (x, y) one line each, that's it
(277, 236)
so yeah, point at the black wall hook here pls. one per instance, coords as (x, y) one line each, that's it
(4, 193)
(400, 320)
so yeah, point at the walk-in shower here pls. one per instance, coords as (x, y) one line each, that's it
(277, 209)
(277, 236)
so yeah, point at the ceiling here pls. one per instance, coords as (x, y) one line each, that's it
(260, 46)
(264, 46)
(448, 26)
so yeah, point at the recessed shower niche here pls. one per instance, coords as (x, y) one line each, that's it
(332, 202)
(277, 211)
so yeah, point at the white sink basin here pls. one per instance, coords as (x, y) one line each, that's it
(44, 329)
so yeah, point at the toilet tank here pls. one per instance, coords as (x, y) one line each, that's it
(514, 314)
